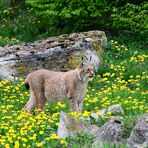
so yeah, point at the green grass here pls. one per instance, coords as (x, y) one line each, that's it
(123, 80)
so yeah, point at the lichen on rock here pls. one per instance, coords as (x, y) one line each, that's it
(60, 53)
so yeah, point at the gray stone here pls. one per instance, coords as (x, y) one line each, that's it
(70, 126)
(139, 135)
(55, 53)
(114, 109)
(111, 131)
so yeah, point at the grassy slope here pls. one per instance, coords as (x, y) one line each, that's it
(121, 80)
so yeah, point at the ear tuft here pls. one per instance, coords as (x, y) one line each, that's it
(86, 58)
(82, 64)
(90, 58)
(82, 58)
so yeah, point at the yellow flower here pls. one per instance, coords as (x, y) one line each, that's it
(63, 142)
(61, 105)
(41, 132)
(7, 146)
(99, 113)
(113, 74)
(1, 84)
(48, 138)
(53, 136)
(75, 114)
(32, 138)
(131, 76)
(57, 123)
(108, 113)
(24, 139)
(86, 114)
(116, 42)
(126, 101)
(39, 144)
(17, 144)
(9, 139)
(85, 98)
(87, 104)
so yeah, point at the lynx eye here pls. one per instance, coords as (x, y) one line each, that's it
(88, 70)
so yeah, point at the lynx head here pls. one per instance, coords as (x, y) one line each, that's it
(86, 69)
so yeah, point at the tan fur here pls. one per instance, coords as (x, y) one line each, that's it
(52, 85)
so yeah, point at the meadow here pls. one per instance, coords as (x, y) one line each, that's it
(122, 79)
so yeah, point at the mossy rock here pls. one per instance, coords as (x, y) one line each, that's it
(21, 69)
(74, 61)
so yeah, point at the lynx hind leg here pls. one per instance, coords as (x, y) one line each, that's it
(31, 103)
(80, 105)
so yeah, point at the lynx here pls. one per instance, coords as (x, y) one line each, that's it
(46, 85)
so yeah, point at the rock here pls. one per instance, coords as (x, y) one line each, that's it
(139, 135)
(114, 109)
(111, 131)
(55, 53)
(70, 126)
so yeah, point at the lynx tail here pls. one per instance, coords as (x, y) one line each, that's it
(27, 85)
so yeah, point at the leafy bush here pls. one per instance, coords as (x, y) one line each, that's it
(84, 15)
(5, 41)
(131, 17)
(15, 23)
(76, 14)
(29, 20)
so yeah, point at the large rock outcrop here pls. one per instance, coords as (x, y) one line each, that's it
(111, 131)
(113, 109)
(55, 53)
(139, 135)
(69, 126)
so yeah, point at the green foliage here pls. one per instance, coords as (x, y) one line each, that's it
(76, 15)
(29, 20)
(80, 140)
(84, 15)
(6, 41)
(129, 123)
(131, 17)
(14, 23)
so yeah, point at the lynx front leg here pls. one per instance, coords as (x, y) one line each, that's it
(40, 102)
(80, 105)
(39, 97)
(74, 105)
